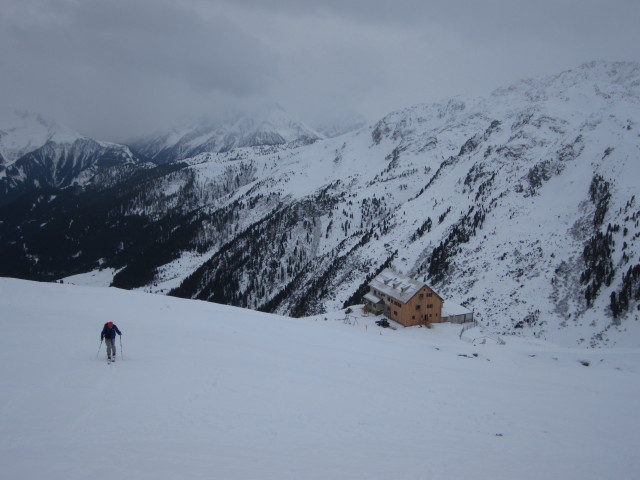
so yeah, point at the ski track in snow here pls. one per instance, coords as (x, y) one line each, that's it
(211, 391)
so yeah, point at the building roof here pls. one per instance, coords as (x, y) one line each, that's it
(450, 309)
(397, 286)
(372, 298)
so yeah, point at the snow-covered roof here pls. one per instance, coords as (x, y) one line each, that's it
(453, 309)
(395, 285)
(372, 298)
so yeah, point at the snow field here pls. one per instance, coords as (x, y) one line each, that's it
(209, 391)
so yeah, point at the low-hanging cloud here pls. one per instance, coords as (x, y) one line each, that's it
(117, 69)
(125, 55)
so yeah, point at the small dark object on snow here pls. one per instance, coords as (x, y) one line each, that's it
(383, 323)
(585, 363)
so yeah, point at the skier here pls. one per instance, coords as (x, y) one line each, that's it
(109, 334)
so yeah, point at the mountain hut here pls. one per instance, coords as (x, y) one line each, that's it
(403, 299)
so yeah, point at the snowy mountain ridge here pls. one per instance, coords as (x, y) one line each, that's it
(24, 132)
(520, 205)
(36, 152)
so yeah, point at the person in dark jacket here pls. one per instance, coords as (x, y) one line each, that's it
(109, 335)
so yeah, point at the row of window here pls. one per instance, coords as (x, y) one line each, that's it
(430, 305)
(425, 317)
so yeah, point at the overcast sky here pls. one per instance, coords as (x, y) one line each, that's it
(114, 69)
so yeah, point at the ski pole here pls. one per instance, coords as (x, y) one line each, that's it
(99, 348)
(121, 354)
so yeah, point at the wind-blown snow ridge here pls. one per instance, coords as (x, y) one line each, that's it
(203, 390)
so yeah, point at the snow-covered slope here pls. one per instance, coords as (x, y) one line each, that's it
(267, 126)
(208, 391)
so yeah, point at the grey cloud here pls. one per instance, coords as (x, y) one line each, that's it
(158, 37)
(125, 66)
(485, 16)
(115, 67)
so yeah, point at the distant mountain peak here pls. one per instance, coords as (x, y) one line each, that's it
(341, 124)
(37, 152)
(616, 78)
(267, 125)
(22, 132)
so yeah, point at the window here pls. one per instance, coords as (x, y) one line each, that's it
(417, 307)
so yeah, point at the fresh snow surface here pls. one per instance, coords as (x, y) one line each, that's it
(95, 278)
(168, 276)
(208, 391)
